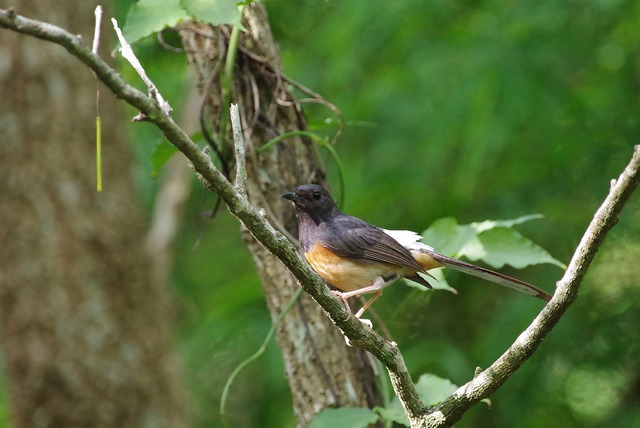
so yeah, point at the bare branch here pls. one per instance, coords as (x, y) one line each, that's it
(238, 140)
(127, 53)
(238, 205)
(487, 381)
(96, 33)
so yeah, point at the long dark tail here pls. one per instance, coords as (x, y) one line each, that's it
(489, 275)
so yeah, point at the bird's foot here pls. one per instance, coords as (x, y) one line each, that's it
(340, 295)
(367, 323)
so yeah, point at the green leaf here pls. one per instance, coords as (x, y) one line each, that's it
(492, 241)
(214, 12)
(347, 417)
(150, 16)
(394, 412)
(491, 224)
(433, 389)
(161, 154)
(446, 236)
(507, 246)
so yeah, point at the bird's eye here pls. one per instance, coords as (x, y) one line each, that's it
(317, 196)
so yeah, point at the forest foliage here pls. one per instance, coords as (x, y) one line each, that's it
(469, 110)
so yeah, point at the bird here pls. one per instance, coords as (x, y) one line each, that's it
(357, 258)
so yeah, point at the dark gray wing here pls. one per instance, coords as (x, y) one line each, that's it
(354, 238)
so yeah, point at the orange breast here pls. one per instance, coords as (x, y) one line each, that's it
(349, 274)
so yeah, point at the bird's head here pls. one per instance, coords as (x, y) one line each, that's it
(313, 200)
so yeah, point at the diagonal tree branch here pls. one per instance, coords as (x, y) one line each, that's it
(388, 353)
(487, 381)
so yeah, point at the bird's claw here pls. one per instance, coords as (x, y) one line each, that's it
(340, 295)
(367, 323)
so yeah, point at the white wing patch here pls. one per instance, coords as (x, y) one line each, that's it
(429, 259)
(408, 239)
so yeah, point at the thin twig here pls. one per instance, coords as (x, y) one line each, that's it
(162, 42)
(94, 50)
(334, 109)
(96, 32)
(128, 54)
(238, 143)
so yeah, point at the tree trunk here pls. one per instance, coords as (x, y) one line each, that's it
(321, 369)
(84, 326)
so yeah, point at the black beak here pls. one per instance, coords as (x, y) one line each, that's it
(292, 197)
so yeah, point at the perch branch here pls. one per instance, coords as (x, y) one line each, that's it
(238, 205)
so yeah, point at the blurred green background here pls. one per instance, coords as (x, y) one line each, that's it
(476, 110)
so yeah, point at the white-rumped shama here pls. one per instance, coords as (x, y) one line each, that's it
(358, 258)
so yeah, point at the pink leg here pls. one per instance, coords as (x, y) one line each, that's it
(376, 288)
(378, 285)
(369, 302)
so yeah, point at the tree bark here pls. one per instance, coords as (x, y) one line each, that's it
(321, 369)
(84, 326)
